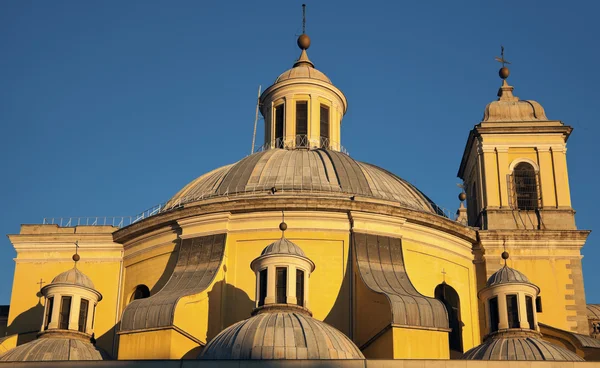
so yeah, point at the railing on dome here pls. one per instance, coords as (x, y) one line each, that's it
(301, 141)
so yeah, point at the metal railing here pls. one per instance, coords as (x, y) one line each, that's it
(301, 141)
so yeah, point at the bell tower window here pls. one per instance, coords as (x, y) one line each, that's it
(83, 312)
(324, 126)
(525, 186)
(281, 285)
(301, 124)
(300, 287)
(65, 311)
(512, 308)
(279, 126)
(529, 307)
(49, 312)
(494, 315)
(262, 284)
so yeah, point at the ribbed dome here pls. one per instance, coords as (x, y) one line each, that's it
(283, 246)
(509, 108)
(74, 277)
(304, 173)
(281, 335)
(520, 348)
(54, 348)
(303, 72)
(506, 275)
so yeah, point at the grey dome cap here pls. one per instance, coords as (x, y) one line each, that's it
(54, 348)
(304, 173)
(507, 275)
(74, 277)
(283, 246)
(520, 348)
(281, 335)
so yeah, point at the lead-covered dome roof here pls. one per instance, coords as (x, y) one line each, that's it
(74, 277)
(54, 348)
(509, 108)
(524, 347)
(304, 172)
(283, 246)
(281, 335)
(507, 275)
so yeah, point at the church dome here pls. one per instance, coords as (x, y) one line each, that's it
(283, 246)
(55, 348)
(509, 108)
(506, 275)
(304, 172)
(281, 335)
(527, 346)
(74, 277)
(302, 72)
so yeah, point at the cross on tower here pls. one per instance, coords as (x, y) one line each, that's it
(501, 59)
(444, 274)
(41, 282)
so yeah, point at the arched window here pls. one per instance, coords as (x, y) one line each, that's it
(447, 295)
(525, 186)
(279, 115)
(140, 292)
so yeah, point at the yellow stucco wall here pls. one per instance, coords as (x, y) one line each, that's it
(43, 252)
(157, 344)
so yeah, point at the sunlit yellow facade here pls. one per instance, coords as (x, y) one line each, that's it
(385, 255)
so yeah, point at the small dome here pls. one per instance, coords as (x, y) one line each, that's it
(520, 348)
(54, 348)
(507, 275)
(281, 335)
(304, 71)
(283, 246)
(509, 108)
(74, 277)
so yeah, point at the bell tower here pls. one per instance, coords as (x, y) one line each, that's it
(514, 166)
(514, 170)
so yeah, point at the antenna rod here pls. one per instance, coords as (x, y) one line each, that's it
(303, 18)
(255, 120)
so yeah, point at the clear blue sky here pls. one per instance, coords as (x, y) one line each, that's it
(110, 107)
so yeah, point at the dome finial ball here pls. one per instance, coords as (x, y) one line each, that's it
(462, 196)
(283, 226)
(304, 41)
(504, 72)
(76, 257)
(505, 255)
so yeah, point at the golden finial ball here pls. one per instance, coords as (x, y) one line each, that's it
(504, 72)
(283, 226)
(505, 255)
(76, 257)
(304, 41)
(462, 196)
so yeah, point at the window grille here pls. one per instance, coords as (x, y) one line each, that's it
(300, 287)
(529, 307)
(49, 312)
(525, 187)
(301, 124)
(324, 126)
(65, 311)
(512, 308)
(281, 285)
(83, 312)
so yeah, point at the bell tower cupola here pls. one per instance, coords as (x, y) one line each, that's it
(303, 109)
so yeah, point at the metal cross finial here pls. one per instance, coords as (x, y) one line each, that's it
(41, 282)
(303, 18)
(501, 59)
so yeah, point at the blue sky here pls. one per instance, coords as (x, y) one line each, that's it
(110, 107)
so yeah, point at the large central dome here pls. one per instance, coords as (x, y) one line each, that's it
(304, 172)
